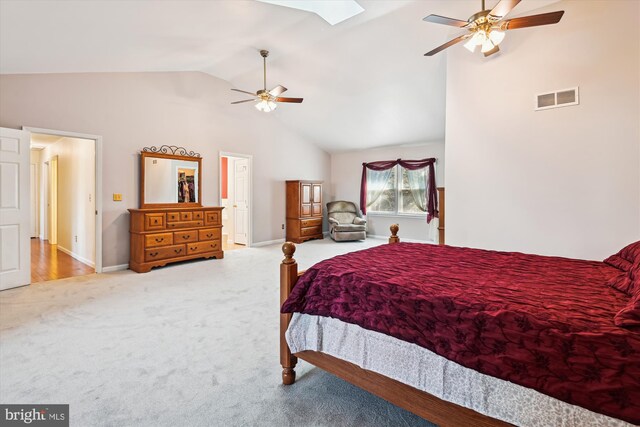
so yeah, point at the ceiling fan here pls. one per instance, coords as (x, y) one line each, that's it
(486, 28)
(267, 100)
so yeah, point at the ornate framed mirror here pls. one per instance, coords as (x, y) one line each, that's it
(170, 177)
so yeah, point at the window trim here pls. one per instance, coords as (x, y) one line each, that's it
(397, 213)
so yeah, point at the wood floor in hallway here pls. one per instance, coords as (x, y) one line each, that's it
(48, 263)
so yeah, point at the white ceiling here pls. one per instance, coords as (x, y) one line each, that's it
(40, 140)
(365, 81)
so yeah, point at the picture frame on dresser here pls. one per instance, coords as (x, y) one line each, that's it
(171, 224)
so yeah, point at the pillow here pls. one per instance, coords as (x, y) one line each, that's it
(630, 315)
(618, 262)
(626, 258)
(622, 283)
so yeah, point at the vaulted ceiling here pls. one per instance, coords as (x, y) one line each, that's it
(365, 81)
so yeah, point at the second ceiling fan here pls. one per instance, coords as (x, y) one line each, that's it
(267, 99)
(486, 27)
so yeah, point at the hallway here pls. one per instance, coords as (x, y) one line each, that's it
(48, 263)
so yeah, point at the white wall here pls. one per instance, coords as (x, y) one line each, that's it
(564, 181)
(346, 174)
(134, 110)
(76, 196)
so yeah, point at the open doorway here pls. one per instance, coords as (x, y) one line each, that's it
(235, 197)
(64, 206)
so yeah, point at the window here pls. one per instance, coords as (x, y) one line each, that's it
(397, 191)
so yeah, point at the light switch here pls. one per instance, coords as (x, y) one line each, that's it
(117, 197)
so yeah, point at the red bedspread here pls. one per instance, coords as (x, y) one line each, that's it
(541, 322)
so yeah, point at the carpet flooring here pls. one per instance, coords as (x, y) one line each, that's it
(194, 344)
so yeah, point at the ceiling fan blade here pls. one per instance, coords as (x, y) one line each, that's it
(492, 51)
(295, 100)
(532, 20)
(277, 90)
(240, 102)
(447, 44)
(503, 8)
(244, 91)
(437, 19)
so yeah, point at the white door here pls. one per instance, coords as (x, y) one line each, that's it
(34, 199)
(241, 205)
(15, 251)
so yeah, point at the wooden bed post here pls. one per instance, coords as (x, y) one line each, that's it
(288, 278)
(394, 234)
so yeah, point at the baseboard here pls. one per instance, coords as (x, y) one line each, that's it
(403, 239)
(76, 256)
(113, 268)
(266, 243)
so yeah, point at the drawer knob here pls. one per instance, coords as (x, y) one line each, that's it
(185, 236)
(193, 249)
(160, 239)
(153, 254)
(209, 235)
(178, 250)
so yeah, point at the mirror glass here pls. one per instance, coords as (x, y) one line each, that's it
(170, 180)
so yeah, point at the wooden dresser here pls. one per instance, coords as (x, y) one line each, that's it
(304, 211)
(164, 235)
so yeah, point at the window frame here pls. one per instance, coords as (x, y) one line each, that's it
(398, 190)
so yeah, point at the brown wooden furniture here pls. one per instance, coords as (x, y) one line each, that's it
(165, 235)
(441, 215)
(165, 229)
(304, 210)
(419, 402)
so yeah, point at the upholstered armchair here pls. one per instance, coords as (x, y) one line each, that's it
(346, 221)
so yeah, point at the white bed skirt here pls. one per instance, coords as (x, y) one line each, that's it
(422, 369)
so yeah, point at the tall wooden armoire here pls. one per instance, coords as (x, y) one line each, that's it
(304, 210)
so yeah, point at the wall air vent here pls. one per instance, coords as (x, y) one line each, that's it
(560, 98)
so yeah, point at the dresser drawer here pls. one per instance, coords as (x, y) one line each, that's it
(173, 216)
(311, 231)
(186, 216)
(310, 222)
(209, 234)
(154, 221)
(185, 224)
(198, 215)
(160, 239)
(185, 236)
(212, 218)
(166, 252)
(200, 247)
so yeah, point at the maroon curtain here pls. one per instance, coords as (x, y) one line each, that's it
(432, 193)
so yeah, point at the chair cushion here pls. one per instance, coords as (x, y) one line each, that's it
(349, 227)
(343, 217)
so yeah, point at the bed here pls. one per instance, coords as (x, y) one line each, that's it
(464, 336)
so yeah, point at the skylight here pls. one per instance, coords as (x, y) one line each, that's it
(333, 12)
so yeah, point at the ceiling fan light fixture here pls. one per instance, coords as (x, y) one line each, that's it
(470, 45)
(266, 106)
(496, 37)
(487, 45)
